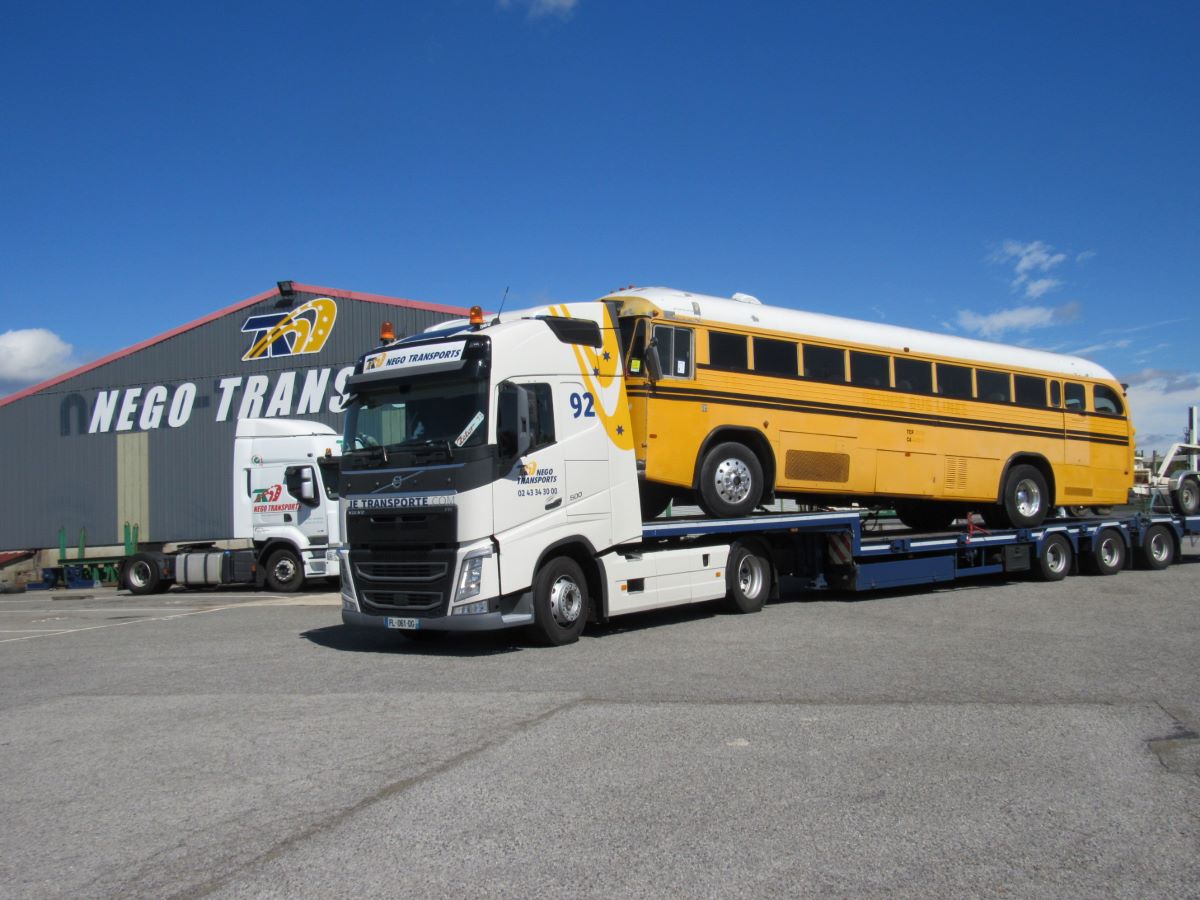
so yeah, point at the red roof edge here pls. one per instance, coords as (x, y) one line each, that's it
(241, 304)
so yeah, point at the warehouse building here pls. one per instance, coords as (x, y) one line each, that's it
(145, 436)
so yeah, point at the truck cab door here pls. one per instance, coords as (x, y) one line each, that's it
(529, 492)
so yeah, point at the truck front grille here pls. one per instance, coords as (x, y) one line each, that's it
(414, 582)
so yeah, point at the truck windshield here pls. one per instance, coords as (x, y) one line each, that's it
(411, 414)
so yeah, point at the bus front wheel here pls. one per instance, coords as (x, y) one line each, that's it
(1026, 497)
(731, 481)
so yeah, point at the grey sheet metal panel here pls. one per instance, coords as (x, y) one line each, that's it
(58, 445)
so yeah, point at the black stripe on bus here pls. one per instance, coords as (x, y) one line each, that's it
(900, 416)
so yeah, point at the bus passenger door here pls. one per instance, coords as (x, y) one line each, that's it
(637, 384)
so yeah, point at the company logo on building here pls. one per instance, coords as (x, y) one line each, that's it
(303, 330)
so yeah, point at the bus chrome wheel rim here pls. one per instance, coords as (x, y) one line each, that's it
(733, 481)
(1108, 551)
(139, 574)
(1029, 498)
(566, 601)
(1158, 547)
(1056, 559)
(750, 577)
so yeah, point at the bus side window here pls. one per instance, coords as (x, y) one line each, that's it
(634, 338)
(914, 376)
(954, 381)
(1055, 394)
(869, 370)
(994, 386)
(1105, 400)
(727, 351)
(1076, 398)
(824, 364)
(772, 357)
(674, 350)
(1030, 391)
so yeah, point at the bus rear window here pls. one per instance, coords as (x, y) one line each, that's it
(954, 381)
(1106, 401)
(824, 364)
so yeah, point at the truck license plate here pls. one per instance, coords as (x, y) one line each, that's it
(407, 624)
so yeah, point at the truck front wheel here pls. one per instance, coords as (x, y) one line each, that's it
(560, 602)
(285, 572)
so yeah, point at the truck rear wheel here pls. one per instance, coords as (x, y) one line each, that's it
(1158, 548)
(1108, 553)
(748, 577)
(285, 572)
(1054, 562)
(560, 602)
(1186, 497)
(731, 481)
(142, 576)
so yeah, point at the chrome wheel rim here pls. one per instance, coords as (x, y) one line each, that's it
(566, 601)
(750, 576)
(1108, 552)
(733, 481)
(1056, 557)
(139, 574)
(1028, 497)
(1158, 547)
(285, 570)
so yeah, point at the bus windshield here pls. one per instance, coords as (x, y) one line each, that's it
(403, 415)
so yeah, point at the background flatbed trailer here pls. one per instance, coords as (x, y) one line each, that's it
(835, 550)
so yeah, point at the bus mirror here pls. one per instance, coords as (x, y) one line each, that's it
(653, 363)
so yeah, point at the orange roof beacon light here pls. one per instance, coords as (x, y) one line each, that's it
(476, 316)
(387, 333)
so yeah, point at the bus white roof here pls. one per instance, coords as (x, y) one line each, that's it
(750, 314)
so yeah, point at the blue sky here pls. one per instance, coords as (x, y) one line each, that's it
(1025, 172)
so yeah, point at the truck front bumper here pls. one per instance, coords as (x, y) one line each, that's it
(492, 621)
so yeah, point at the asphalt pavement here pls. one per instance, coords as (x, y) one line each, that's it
(996, 738)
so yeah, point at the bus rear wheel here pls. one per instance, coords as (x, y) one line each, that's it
(731, 481)
(926, 515)
(1026, 498)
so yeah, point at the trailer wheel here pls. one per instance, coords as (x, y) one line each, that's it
(142, 576)
(748, 578)
(1108, 553)
(285, 572)
(1187, 496)
(1054, 562)
(1158, 548)
(560, 602)
(1025, 497)
(731, 481)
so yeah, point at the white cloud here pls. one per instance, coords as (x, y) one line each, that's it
(1019, 318)
(540, 9)
(1084, 256)
(29, 355)
(1159, 401)
(1104, 345)
(1029, 259)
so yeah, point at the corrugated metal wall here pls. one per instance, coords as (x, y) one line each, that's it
(122, 443)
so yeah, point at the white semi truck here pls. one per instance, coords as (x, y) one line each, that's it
(489, 480)
(285, 516)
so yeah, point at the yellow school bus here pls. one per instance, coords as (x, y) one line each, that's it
(735, 403)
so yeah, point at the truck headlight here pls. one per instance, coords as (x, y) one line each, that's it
(471, 578)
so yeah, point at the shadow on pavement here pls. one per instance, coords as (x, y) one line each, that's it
(430, 643)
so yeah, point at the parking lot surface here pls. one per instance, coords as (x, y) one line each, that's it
(999, 737)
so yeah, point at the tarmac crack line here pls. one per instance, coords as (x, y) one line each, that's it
(30, 637)
(384, 793)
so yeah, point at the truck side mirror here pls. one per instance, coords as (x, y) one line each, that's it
(653, 362)
(301, 484)
(513, 431)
